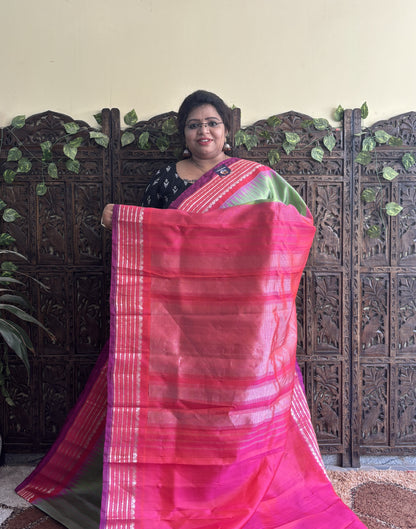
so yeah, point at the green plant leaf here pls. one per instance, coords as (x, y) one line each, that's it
(265, 135)
(98, 118)
(70, 151)
(329, 142)
(73, 166)
(52, 170)
(381, 136)
(339, 113)
(127, 138)
(288, 147)
(2, 204)
(395, 142)
(251, 140)
(15, 299)
(162, 143)
(6, 239)
(393, 209)
(239, 138)
(41, 189)
(169, 127)
(10, 215)
(15, 341)
(143, 141)
(130, 118)
(76, 142)
(317, 154)
(368, 195)
(306, 124)
(363, 158)
(369, 144)
(71, 127)
(292, 138)
(24, 165)
(374, 232)
(46, 146)
(364, 110)
(274, 121)
(320, 123)
(14, 154)
(273, 156)
(389, 173)
(9, 175)
(18, 122)
(100, 138)
(408, 160)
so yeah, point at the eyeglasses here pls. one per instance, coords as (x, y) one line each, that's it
(210, 124)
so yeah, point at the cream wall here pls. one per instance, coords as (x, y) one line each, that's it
(265, 56)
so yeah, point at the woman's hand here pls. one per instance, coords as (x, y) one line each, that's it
(107, 216)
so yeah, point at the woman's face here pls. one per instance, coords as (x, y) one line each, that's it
(205, 141)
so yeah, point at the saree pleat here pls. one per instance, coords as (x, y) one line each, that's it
(207, 424)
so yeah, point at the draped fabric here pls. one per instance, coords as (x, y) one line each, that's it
(207, 424)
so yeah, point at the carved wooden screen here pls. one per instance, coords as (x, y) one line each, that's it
(386, 296)
(60, 234)
(356, 316)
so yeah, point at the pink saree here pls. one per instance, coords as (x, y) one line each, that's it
(207, 424)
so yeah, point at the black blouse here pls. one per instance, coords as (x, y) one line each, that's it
(166, 186)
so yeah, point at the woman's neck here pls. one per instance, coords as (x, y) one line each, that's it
(205, 165)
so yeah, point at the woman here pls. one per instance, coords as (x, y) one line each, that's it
(206, 423)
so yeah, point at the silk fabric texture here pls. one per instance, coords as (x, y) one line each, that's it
(206, 423)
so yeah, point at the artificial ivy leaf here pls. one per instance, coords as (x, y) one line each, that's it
(71, 127)
(274, 121)
(70, 151)
(288, 147)
(46, 147)
(381, 136)
(363, 158)
(395, 142)
(41, 189)
(2, 204)
(9, 175)
(251, 140)
(52, 170)
(317, 154)
(127, 138)
(162, 143)
(73, 166)
(329, 142)
(14, 154)
(76, 142)
(169, 127)
(239, 138)
(389, 173)
(292, 138)
(6, 239)
(369, 144)
(393, 209)
(408, 160)
(98, 118)
(273, 156)
(339, 113)
(374, 232)
(364, 110)
(10, 215)
(143, 140)
(266, 136)
(100, 138)
(24, 165)
(320, 123)
(368, 195)
(306, 124)
(130, 118)
(18, 122)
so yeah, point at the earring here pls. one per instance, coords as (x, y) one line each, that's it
(186, 153)
(227, 147)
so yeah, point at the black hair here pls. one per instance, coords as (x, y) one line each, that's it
(197, 99)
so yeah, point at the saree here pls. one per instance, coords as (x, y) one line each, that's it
(195, 416)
